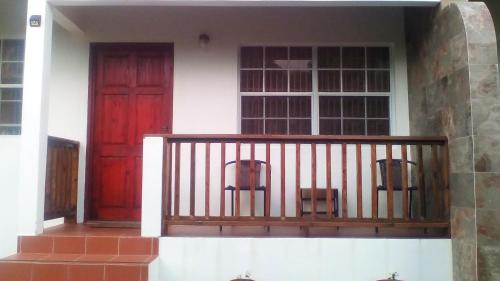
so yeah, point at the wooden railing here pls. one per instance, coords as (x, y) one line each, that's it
(61, 179)
(348, 167)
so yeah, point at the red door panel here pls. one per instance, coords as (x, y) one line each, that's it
(132, 97)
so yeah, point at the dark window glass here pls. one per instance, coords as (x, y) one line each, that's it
(329, 57)
(353, 80)
(300, 81)
(329, 106)
(276, 57)
(300, 126)
(329, 80)
(252, 126)
(10, 112)
(377, 127)
(300, 107)
(300, 57)
(252, 106)
(377, 107)
(276, 81)
(353, 57)
(13, 50)
(379, 81)
(276, 107)
(353, 106)
(377, 57)
(354, 126)
(276, 126)
(252, 57)
(12, 73)
(251, 81)
(330, 127)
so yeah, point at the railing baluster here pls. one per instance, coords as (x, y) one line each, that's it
(192, 185)
(223, 179)
(373, 156)
(252, 179)
(268, 180)
(359, 182)
(168, 179)
(207, 180)
(404, 179)
(329, 205)
(344, 180)
(390, 182)
(165, 196)
(297, 181)
(421, 182)
(177, 186)
(434, 182)
(238, 175)
(282, 153)
(314, 195)
(446, 185)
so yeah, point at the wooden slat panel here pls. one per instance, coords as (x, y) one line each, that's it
(390, 183)
(165, 196)
(168, 180)
(359, 182)
(434, 182)
(268, 180)
(283, 177)
(329, 205)
(223, 180)
(314, 195)
(207, 180)
(404, 179)
(238, 175)
(177, 180)
(373, 158)
(446, 184)
(192, 181)
(421, 182)
(344, 181)
(252, 179)
(297, 180)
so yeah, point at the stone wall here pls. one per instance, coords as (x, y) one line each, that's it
(452, 71)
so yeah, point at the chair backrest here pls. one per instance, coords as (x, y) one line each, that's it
(246, 170)
(396, 172)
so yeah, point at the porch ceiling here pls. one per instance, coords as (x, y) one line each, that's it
(304, 3)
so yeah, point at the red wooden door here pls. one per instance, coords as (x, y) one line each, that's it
(132, 97)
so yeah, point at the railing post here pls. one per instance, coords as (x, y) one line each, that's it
(152, 179)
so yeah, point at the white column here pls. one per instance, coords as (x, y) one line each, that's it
(152, 168)
(34, 120)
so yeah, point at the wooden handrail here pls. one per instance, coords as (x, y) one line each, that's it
(286, 192)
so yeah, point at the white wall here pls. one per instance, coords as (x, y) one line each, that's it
(68, 96)
(12, 25)
(299, 259)
(9, 183)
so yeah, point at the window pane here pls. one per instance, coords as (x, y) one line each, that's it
(276, 126)
(10, 130)
(329, 81)
(378, 127)
(252, 126)
(10, 112)
(13, 50)
(276, 81)
(252, 57)
(252, 106)
(377, 107)
(12, 73)
(330, 127)
(378, 57)
(300, 57)
(277, 57)
(15, 94)
(300, 81)
(353, 80)
(353, 106)
(300, 126)
(251, 81)
(329, 57)
(353, 57)
(300, 107)
(354, 126)
(379, 81)
(276, 107)
(329, 106)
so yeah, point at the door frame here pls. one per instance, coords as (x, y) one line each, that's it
(94, 47)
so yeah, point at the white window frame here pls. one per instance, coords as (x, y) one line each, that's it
(9, 86)
(315, 94)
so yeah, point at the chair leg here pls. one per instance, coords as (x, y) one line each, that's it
(232, 203)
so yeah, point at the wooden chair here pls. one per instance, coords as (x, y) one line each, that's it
(306, 197)
(245, 172)
(396, 178)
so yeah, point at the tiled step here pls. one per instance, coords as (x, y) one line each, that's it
(90, 245)
(39, 267)
(98, 256)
